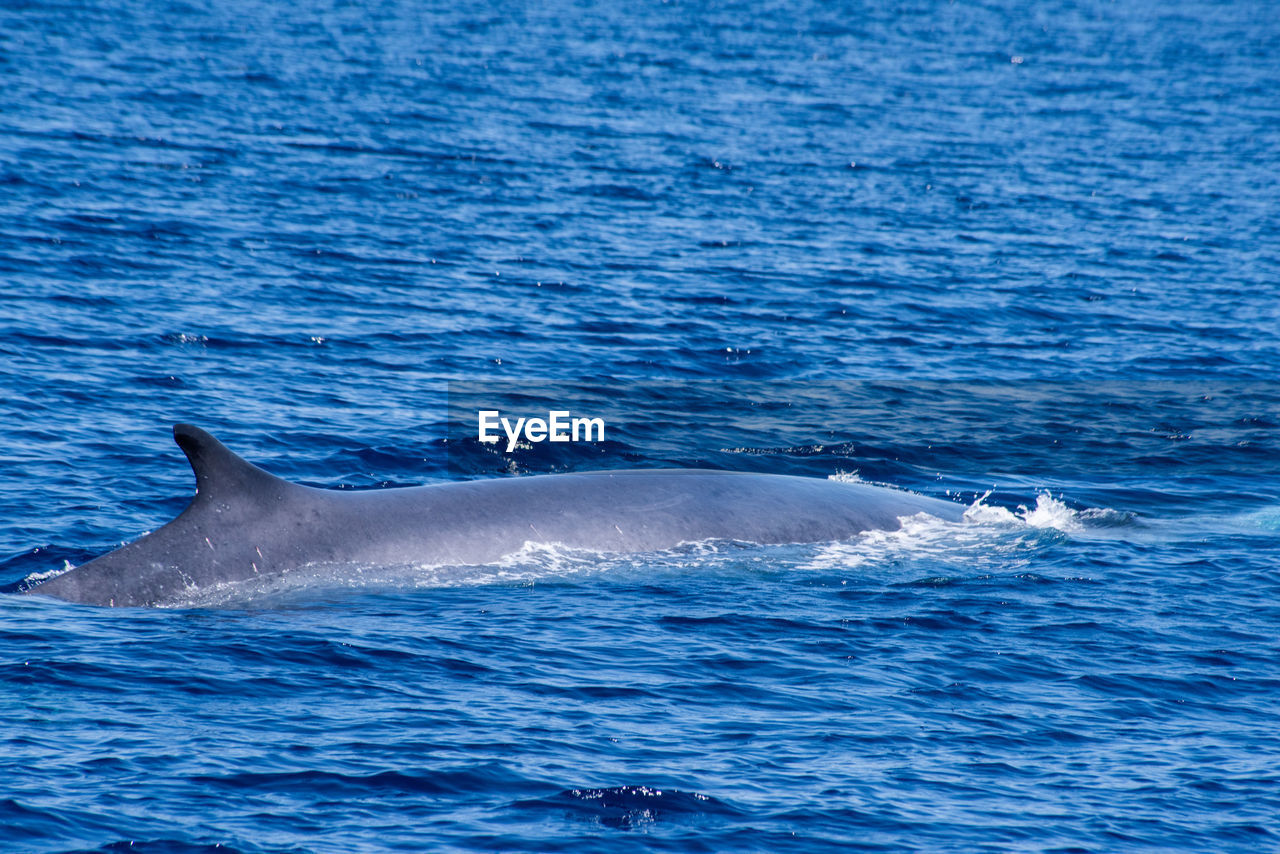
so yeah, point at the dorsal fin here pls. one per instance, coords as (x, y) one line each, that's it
(220, 473)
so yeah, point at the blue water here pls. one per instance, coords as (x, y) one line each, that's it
(1024, 259)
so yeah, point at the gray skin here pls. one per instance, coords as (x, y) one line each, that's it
(245, 522)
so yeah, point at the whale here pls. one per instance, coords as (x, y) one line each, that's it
(245, 523)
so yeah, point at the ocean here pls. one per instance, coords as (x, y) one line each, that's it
(1021, 257)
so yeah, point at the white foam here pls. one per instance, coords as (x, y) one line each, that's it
(1048, 512)
(854, 477)
(40, 577)
(986, 534)
(920, 536)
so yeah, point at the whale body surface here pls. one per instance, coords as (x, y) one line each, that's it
(245, 522)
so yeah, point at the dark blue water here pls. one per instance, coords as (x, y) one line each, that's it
(1025, 259)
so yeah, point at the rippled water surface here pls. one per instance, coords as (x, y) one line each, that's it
(1021, 259)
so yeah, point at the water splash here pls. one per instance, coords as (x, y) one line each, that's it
(1048, 512)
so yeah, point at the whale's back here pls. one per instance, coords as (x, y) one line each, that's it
(245, 522)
